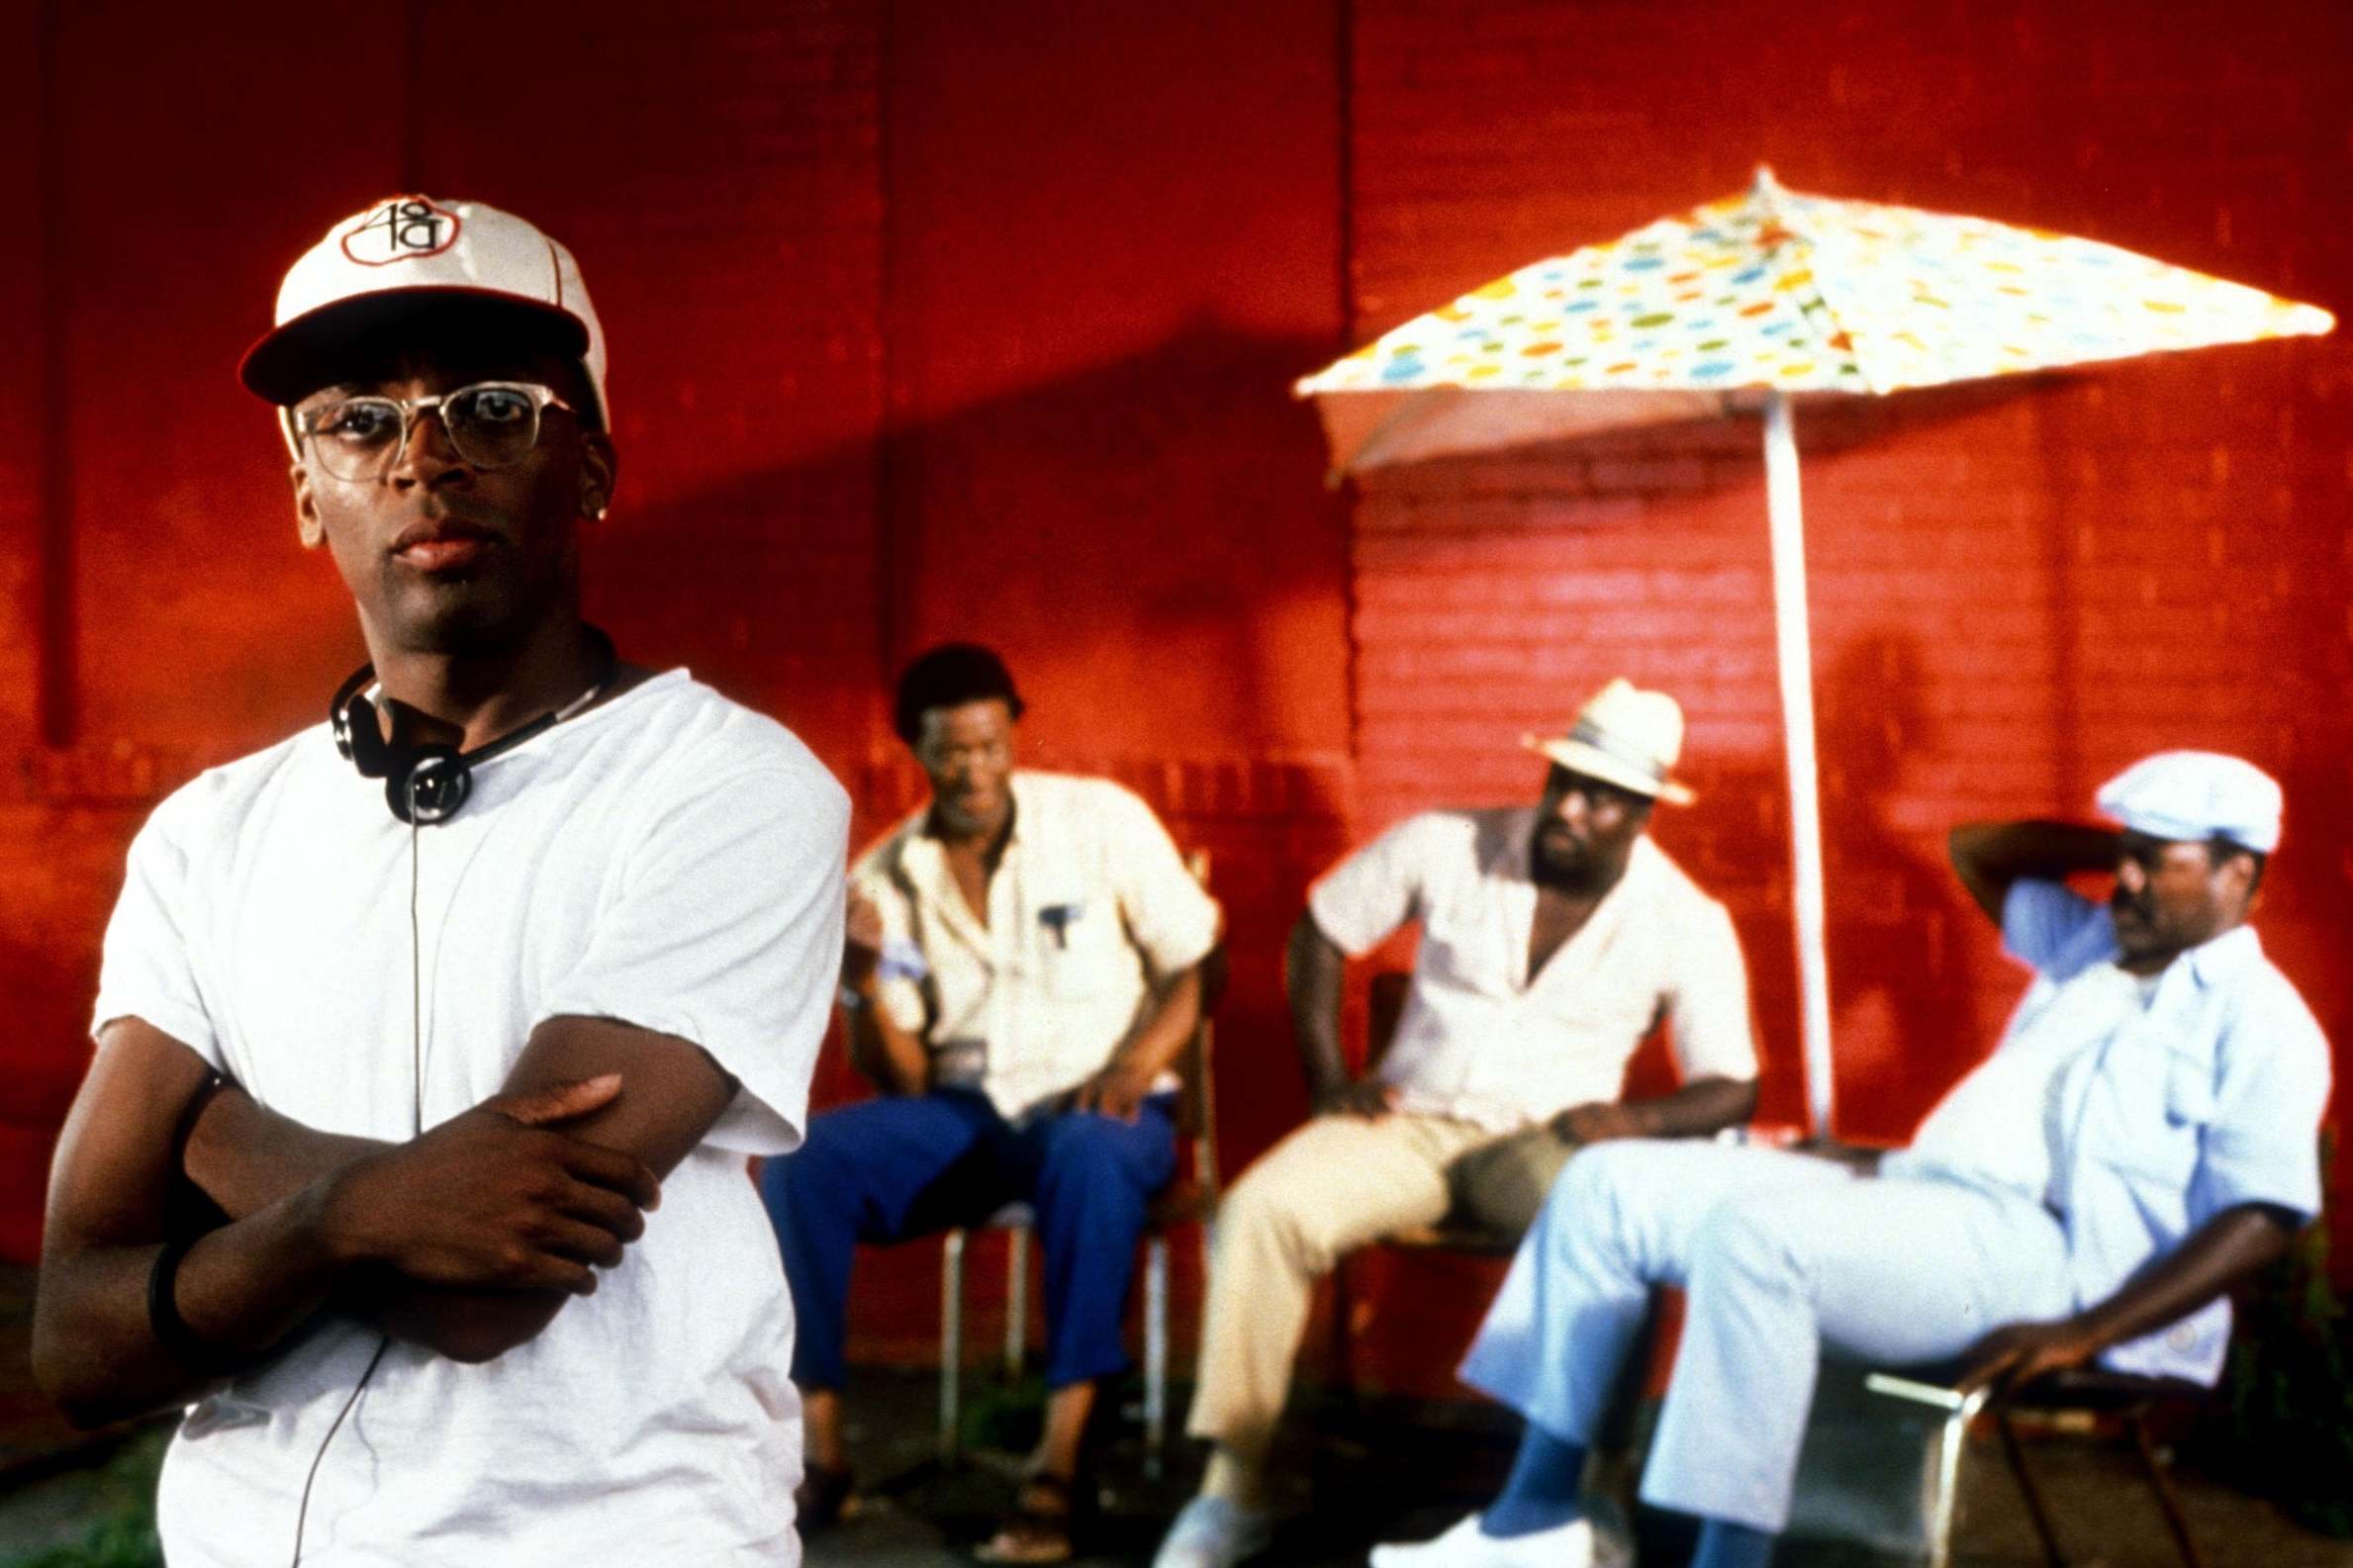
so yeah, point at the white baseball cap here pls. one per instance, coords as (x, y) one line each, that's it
(1624, 736)
(378, 262)
(2194, 795)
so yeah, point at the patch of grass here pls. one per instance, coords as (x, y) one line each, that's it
(122, 1529)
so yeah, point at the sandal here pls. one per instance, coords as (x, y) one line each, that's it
(823, 1498)
(1038, 1531)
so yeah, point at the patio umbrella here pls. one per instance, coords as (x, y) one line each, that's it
(1737, 307)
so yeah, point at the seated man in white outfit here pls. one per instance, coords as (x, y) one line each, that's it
(1553, 938)
(2141, 1138)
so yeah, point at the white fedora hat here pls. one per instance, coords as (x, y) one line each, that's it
(1624, 736)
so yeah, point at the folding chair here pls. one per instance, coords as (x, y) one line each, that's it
(2075, 1401)
(1190, 1199)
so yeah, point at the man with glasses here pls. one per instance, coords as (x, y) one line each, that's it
(1553, 939)
(1026, 957)
(407, 1024)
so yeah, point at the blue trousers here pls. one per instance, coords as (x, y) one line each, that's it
(891, 1169)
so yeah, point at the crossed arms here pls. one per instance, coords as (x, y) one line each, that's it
(467, 1240)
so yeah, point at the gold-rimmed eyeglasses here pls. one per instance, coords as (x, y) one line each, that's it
(491, 424)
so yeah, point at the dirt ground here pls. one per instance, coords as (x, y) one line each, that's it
(1351, 1478)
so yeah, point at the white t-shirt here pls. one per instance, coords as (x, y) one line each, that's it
(669, 859)
(1482, 1042)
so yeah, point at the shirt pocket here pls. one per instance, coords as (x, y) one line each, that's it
(1075, 944)
(2190, 1089)
(2163, 1123)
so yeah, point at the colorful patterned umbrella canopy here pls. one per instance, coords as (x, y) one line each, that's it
(1770, 290)
(1740, 304)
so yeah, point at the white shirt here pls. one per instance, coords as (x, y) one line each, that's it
(1481, 1041)
(1088, 905)
(2137, 1112)
(668, 858)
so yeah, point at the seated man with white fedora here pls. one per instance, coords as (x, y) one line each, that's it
(1553, 938)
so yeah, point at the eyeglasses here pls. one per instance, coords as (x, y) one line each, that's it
(491, 424)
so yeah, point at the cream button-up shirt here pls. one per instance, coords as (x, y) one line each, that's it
(1482, 1042)
(1088, 906)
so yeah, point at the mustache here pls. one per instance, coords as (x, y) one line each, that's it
(1560, 843)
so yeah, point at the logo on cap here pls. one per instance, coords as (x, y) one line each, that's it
(404, 228)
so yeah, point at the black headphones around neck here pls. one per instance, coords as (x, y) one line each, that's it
(427, 783)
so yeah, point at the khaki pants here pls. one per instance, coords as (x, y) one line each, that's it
(1339, 1183)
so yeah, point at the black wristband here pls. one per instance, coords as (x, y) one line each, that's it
(164, 1321)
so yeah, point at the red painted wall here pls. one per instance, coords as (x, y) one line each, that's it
(718, 176)
(941, 321)
(2015, 589)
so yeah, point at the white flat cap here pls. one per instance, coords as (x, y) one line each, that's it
(2197, 795)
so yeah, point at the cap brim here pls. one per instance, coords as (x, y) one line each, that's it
(298, 357)
(1577, 757)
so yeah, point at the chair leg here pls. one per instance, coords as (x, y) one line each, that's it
(1952, 1437)
(1343, 1336)
(1016, 1299)
(1208, 1256)
(951, 1346)
(2162, 1484)
(1156, 1353)
(2036, 1511)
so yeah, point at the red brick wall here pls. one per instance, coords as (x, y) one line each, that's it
(2015, 589)
(983, 344)
(935, 321)
(717, 177)
(1090, 460)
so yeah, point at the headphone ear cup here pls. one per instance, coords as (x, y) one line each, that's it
(359, 735)
(432, 788)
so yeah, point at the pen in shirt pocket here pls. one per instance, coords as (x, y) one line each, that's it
(1057, 918)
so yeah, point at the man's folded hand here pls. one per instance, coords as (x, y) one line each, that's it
(2010, 1357)
(1118, 1091)
(1597, 1123)
(496, 1198)
(1356, 1097)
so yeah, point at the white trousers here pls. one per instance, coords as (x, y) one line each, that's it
(1777, 1254)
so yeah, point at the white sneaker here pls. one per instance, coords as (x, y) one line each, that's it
(1214, 1533)
(1576, 1545)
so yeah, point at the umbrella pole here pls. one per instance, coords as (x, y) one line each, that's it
(1794, 644)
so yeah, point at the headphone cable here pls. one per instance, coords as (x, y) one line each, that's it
(301, 1514)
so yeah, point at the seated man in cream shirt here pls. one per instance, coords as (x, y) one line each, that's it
(1025, 957)
(1553, 939)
